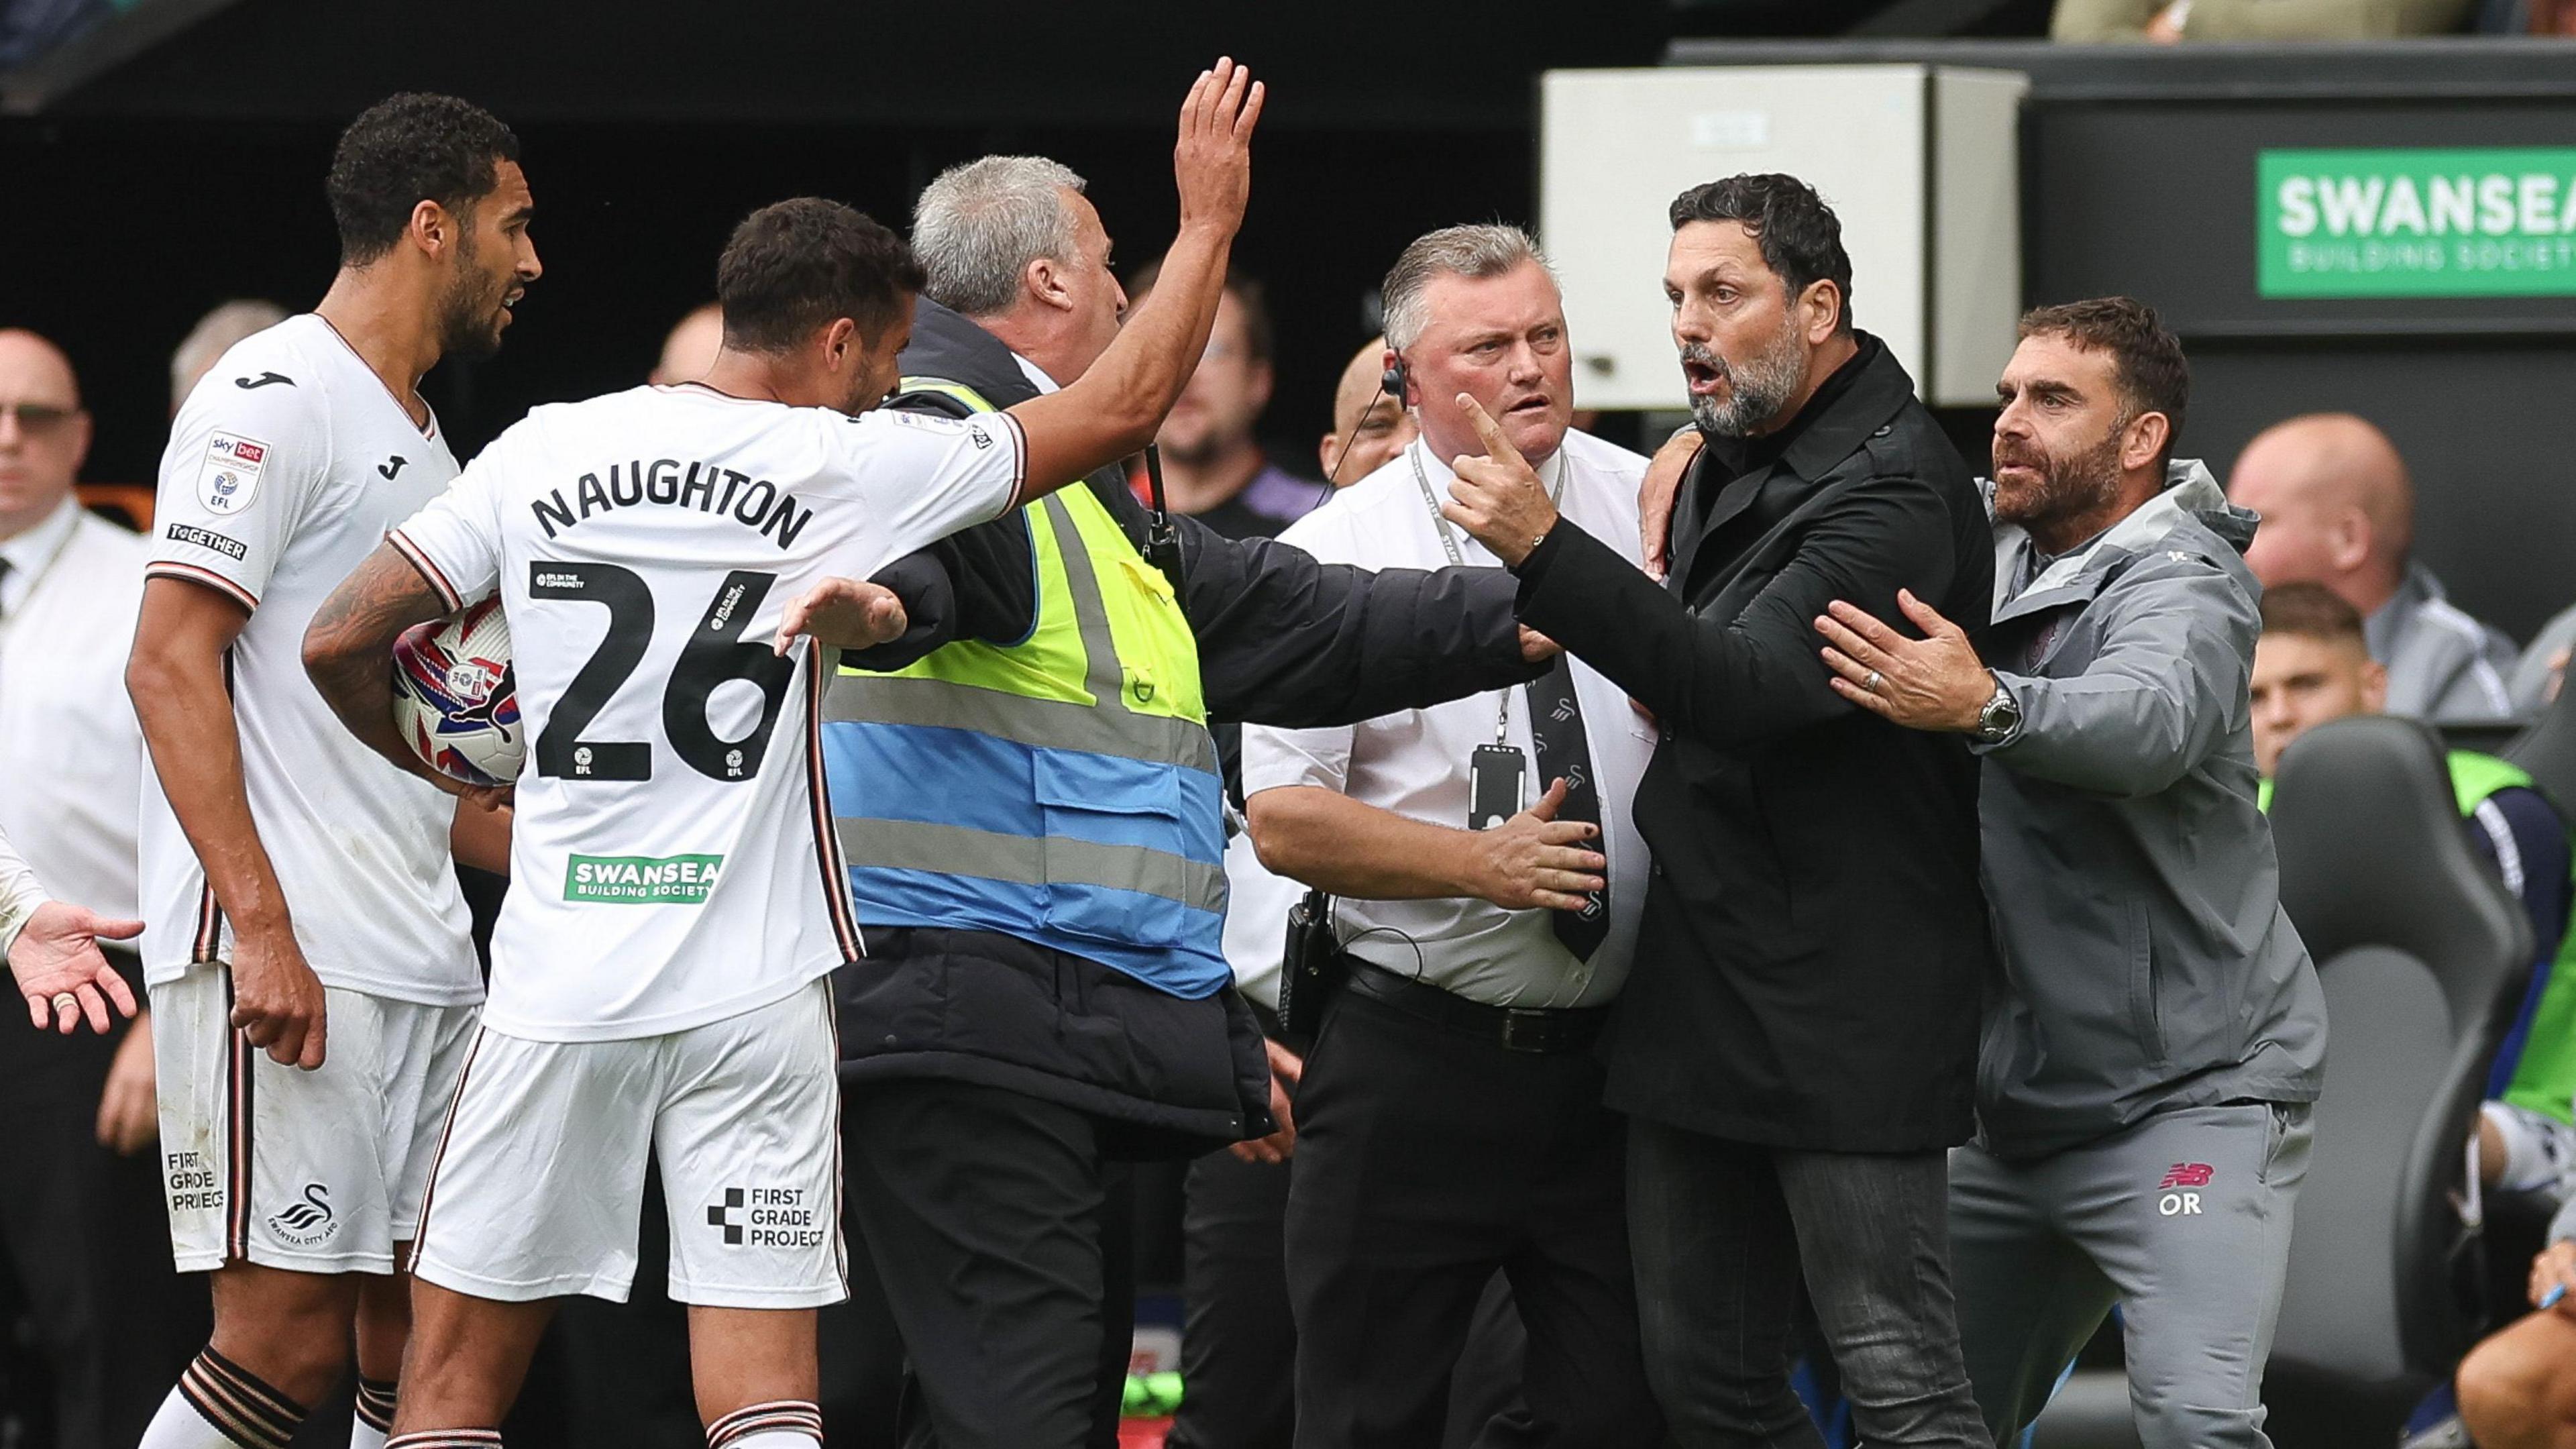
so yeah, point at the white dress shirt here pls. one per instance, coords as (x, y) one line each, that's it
(71, 754)
(1415, 763)
(19, 895)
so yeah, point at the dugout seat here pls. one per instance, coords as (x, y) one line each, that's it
(2423, 956)
(2548, 751)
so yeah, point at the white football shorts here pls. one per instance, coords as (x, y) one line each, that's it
(540, 1177)
(320, 1171)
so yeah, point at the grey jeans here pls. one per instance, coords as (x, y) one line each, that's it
(2183, 1220)
(1723, 1233)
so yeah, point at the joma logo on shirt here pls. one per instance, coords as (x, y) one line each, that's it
(642, 879)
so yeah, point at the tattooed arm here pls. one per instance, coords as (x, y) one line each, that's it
(348, 651)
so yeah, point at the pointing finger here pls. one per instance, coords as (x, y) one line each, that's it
(1251, 115)
(1488, 432)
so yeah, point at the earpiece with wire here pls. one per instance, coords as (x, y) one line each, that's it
(1390, 384)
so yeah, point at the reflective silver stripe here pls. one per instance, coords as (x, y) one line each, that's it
(1046, 724)
(1101, 672)
(1027, 860)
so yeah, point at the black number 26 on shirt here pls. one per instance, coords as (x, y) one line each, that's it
(716, 652)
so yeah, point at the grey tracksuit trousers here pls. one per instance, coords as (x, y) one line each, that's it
(2182, 1220)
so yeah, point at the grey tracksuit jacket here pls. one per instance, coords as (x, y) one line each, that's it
(2146, 959)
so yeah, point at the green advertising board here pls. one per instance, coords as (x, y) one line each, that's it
(2416, 222)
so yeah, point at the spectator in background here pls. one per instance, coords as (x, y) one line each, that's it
(1370, 426)
(2339, 510)
(2162, 1022)
(212, 337)
(2312, 667)
(691, 348)
(82, 1219)
(2170, 22)
(1213, 467)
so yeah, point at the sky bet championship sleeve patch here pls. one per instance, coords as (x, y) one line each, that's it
(230, 478)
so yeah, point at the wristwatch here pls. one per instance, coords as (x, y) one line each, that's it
(2000, 720)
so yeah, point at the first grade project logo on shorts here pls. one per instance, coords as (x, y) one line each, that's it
(229, 479)
(642, 880)
(767, 1217)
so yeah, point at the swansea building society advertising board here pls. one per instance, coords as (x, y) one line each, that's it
(2416, 222)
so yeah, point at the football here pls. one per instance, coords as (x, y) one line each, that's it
(455, 698)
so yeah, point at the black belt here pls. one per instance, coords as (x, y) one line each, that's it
(1514, 1028)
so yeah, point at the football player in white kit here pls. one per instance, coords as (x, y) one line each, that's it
(660, 979)
(313, 982)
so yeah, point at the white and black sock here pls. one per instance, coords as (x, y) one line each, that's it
(779, 1424)
(221, 1405)
(375, 1418)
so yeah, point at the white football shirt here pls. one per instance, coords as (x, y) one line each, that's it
(672, 860)
(286, 466)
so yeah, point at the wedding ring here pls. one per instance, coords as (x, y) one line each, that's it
(1874, 681)
(65, 1003)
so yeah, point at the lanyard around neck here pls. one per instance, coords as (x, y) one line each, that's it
(1458, 559)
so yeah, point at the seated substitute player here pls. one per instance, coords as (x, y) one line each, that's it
(2312, 666)
(659, 968)
(294, 886)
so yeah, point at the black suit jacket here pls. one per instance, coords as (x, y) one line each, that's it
(1814, 943)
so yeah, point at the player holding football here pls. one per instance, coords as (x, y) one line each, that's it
(660, 970)
(299, 894)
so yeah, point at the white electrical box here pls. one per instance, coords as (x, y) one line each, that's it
(1922, 164)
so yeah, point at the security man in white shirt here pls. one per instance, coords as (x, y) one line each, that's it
(82, 1224)
(1449, 1118)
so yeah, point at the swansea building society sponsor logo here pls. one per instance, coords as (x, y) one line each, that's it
(644, 880)
(308, 1222)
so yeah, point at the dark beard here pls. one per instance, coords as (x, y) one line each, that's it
(1756, 390)
(2069, 487)
(469, 324)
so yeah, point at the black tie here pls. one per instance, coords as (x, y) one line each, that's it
(1556, 727)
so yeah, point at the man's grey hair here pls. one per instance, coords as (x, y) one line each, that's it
(214, 333)
(1488, 250)
(977, 227)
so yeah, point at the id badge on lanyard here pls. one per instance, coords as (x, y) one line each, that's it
(1497, 774)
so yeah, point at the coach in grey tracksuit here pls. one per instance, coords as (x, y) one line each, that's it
(2144, 1078)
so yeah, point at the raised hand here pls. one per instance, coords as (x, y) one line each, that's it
(56, 956)
(1212, 162)
(1498, 497)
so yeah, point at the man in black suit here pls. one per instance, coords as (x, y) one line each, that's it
(1797, 1044)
